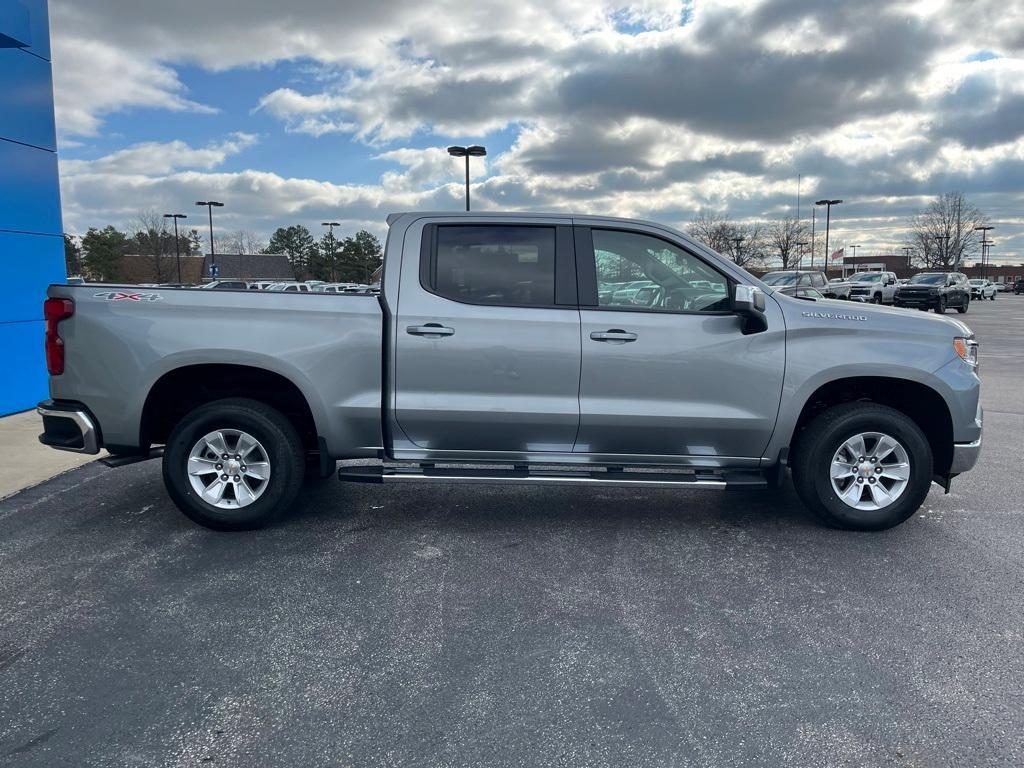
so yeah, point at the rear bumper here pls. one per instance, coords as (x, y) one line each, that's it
(68, 427)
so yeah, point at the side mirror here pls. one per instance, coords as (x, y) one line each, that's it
(748, 303)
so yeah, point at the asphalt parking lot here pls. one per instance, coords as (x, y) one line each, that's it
(493, 626)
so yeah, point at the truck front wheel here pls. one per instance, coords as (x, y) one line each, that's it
(862, 466)
(233, 464)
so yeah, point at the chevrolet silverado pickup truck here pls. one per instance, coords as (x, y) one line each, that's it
(494, 353)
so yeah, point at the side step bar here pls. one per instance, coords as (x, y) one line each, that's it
(701, 478)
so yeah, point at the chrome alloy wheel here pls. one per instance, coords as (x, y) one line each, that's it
(870, 471)
(228, 468)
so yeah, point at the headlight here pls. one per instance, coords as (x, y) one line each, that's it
(967, 349)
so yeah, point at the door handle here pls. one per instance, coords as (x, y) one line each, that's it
(432, 330)
(613, 335)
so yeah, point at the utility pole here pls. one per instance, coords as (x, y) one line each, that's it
(985, 242)
(944, 239)
(210, 205)
(814, 211)
(330, 237)
(177, 251)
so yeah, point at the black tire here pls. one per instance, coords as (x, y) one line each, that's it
(275, 433)
(877, 299)
(821, 438)
(940, 307)
(993, 296)
(963, 309)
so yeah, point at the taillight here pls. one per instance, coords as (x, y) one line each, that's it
(55, 310)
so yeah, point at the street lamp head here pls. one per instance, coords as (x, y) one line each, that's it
(476, 151)
(329, 224)
(457, 151)
(175, 216)
(827, 202)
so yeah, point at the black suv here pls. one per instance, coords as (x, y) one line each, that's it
(935, 290)
(1018, 287)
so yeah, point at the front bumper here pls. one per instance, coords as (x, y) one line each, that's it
(915, 301)
(68, 427)
(965, 456)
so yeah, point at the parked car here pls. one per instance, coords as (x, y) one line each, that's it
(225, 285)
(936, 290)
(802, 292)
(625, 294)
(982, 289)
(490, 347)
(1018, 286)
(331, 287)
(869, 287)
(289, 287)
(796, 277)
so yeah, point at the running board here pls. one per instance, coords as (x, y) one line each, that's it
(602, 477)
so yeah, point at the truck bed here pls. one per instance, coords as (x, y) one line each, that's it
(122, 339)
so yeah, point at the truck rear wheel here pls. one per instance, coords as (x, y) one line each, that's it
(233, 464)
(862, 466)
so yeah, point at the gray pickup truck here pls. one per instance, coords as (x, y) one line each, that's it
(492, 354)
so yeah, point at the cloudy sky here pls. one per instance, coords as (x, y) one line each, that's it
(308, 110)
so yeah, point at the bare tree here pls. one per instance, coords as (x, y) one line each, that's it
(714, 230)
(242, 241)
(784, 237)
(148, 236)
(746, 243)
(943, 233)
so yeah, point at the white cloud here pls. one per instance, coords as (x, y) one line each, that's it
(93, 79)
(651, 107)
(157, 158)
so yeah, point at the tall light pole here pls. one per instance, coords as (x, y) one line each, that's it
(467, 152)
(177, 252)
(985, 242)
(854, 249)
(330, 236)
(828, 221)
(210, 205)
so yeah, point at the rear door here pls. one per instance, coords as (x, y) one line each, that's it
(677, 377)
(488, 339)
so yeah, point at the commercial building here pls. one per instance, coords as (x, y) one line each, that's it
(31, 235)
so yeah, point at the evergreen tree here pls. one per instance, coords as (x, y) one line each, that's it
(103, 251)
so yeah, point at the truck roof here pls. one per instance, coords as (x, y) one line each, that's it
(393, 217)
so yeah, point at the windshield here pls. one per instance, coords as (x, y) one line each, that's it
(865, 277)
(780, 278)
(934, 278)
(977, 282)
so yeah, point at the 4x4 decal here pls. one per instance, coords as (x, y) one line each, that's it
(127, 296)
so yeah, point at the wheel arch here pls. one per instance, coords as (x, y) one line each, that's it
(183, 388)
(923, 404)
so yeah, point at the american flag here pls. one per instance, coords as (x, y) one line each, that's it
(838, 254)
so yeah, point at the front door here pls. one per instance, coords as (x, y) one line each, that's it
(488, 340)
(668, 371)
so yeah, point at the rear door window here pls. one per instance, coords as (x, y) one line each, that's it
(494, 264)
